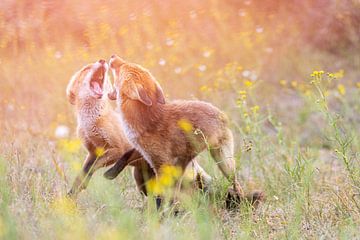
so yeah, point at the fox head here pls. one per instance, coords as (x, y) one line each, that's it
(89, 82)
(135, 83)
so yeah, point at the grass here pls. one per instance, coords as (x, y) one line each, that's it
(296, 131)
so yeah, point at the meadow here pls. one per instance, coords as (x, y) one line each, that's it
(286, 73)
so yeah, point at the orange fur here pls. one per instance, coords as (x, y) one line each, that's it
(155, 127)
(99, 127)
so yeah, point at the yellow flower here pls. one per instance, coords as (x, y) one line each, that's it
(255, 109)
(339, 74)
(283, 83)
(246, 114)
(242, 92)
(166, 180)
(358, 84)
(64, 206)
(294, 84)
(317, 73)
(185, 125)
(248, 83)
(204, 88)
(99, 151)
(71, 146)
(154, 187)
(172, 171)
(341, 89)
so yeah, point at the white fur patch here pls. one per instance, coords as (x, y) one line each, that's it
(132, 135)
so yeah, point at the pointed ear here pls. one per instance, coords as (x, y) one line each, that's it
(159, 94)
(143, 96)
(137, 92)
(71, 88)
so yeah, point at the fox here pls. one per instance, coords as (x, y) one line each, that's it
(173, 133)
(98, 127)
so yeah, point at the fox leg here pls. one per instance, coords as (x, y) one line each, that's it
(202, 179)
(224, 157)
(82, 179)
(91, 164)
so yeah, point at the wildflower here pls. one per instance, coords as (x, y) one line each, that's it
(99, 151)
(202, 68)
(242, 94)
(248, 83)
(204, 88)
(154, 187)
(162, 62)
(246, 73)
(177, 70)
(294, 84)
(185, 125)
(172, 171)
(64, 205)
(247, 129)
(58, 55)
(70, 146)
(259, 29)
(166, 181)
(246, 114)
(341, 89)
(339, 74)
(169, 42)
(358, 84)
(62, 131)
(207, 53)
(283, 83)
(255, 109)
(241, 13)
(253, 76)
(317, 74)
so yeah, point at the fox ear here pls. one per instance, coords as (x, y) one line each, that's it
(143, 96)
(70, 88)
(137, 92)
(159, 94)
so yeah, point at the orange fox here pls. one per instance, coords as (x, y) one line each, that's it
(99, 128)
(156, 129)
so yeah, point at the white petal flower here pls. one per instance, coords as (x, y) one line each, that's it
(62, 131)
(162, 62)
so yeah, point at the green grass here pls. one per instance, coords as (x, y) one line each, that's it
(296, 141)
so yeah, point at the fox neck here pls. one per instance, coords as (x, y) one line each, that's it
(139, 117)
(91, 108)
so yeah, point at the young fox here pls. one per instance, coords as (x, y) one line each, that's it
(99, 128)
(171, 133)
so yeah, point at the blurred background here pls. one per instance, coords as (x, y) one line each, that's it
(286, 72)
(196, 49)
